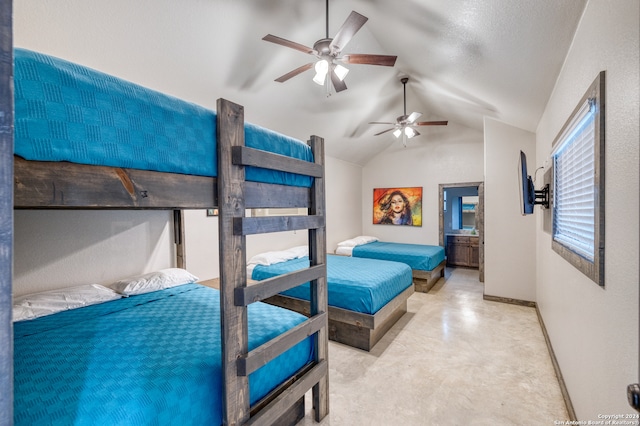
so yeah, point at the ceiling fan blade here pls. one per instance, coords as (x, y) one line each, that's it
(293, 73)
(338, 84)
(381, 122)
(413, 117)
(352, 25)
(288, 43)
(384, 131)
(431, 123)
(362, 58)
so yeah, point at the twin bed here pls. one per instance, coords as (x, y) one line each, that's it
(366, 296)
(427, 262)
(86, 140)
(143, 359)
(369, 283)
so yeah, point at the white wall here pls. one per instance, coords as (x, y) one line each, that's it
(344, 208)
(594, 331)
(451, 154)
(55, 248)
(509, 237)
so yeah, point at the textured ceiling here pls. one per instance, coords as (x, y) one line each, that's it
(466, 59)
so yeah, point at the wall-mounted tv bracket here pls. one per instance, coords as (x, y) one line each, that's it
(542, 196)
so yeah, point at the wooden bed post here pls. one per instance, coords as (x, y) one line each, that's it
(6, 213)
(319, 301)
(232, 262)
(178, 238)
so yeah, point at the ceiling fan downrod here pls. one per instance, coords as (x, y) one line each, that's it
(404, 87)
(327, 20)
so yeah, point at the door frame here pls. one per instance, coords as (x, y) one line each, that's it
(479, 217)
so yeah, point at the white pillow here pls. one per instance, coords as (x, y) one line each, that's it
(35, 305)
(271, 257)
(344, 251)
(365, 239)
(153, 281)
(357, 241)
(299, 251)
(347, 243)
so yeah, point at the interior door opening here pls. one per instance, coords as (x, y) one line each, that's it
(462, 223)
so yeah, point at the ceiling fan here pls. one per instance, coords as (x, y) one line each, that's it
(328, 52)
(405, 125)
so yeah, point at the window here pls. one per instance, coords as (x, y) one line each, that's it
(578, 185)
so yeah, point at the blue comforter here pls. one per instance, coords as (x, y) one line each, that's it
(360, 285)
(418, 256)
(148, 359)
(68, 112)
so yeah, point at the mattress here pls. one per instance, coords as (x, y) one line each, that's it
(68, 112)
(418, 256)
(360, 285)
(148, 359)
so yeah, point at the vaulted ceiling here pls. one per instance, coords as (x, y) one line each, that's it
(466, 59)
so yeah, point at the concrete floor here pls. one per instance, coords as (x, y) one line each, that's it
(452, 359)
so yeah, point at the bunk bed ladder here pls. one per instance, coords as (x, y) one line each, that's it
(236, 195)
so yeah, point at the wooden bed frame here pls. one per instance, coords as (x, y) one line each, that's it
(355, 329)
(61, 185)
(6, 212)
(425, 280)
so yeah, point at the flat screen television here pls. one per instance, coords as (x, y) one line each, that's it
(526, 189)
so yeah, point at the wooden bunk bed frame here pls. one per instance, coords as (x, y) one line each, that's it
(61, 185)
(6, 212)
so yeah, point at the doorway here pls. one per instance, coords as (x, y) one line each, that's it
(467, 215)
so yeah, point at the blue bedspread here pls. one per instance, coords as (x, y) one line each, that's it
(148, 359)
(418, 256)
(360, 285)
(68, 112)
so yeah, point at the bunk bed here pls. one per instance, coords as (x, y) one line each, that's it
(426, 261)
(158, 152)
(366, 297)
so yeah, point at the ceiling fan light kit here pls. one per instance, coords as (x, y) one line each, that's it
(328, 51)
(341, 71)
(321, 67)
(409, 132)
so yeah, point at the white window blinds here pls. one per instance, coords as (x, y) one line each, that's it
(574, 191)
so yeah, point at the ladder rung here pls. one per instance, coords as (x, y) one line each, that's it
(280, 344)
(263, 225)
(244, 296)
(271, 413)
(244, 156)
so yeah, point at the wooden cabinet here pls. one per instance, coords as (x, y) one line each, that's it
(474, 252)
(463, 250)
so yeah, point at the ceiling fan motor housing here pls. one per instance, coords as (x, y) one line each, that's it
(323, 47)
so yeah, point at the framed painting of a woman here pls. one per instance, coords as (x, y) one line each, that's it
(397, 206)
